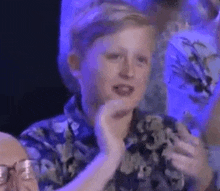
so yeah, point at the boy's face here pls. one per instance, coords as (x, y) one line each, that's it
(118, 66)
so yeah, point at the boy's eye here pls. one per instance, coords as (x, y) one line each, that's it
(142, 59)
(114, 56)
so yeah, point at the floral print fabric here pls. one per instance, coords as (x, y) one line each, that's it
(64, 145)
(192, 68)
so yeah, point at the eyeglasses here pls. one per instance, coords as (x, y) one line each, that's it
(25, 169)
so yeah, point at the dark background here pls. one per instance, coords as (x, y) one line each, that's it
(31, 88)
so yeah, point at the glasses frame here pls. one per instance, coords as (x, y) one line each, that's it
(13, 167)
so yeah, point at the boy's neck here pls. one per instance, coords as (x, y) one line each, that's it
(90, 112)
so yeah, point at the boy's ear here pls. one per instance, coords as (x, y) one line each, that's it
(74, 64)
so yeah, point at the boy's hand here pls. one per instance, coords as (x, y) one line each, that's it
(190, 157)
(112, 125)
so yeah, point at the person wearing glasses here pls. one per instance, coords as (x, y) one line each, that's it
(16, 170)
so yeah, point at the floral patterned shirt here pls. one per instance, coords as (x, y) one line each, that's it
(64, 145)
(192, 70)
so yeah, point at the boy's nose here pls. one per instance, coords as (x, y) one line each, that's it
(127, 70)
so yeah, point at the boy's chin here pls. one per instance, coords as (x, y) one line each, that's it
(128, 101)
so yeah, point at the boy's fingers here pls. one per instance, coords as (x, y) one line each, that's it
(116, 108)
(185, 135)
(184, 148)
(182, 130)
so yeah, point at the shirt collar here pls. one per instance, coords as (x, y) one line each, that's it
(77, 121)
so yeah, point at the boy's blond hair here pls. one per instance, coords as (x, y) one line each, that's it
(94, 21)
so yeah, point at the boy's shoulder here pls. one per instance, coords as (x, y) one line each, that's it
(56, 124)
(47, 132)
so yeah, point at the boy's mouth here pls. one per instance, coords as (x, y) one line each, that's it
(123, 89)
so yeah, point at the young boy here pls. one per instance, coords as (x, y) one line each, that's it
(102, 142)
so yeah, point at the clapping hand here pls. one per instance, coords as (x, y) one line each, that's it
(190, 157)
(112, 125)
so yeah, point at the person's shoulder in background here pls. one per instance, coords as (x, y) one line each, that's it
(193, 37)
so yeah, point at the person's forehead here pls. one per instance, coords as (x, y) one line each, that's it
(127, 35)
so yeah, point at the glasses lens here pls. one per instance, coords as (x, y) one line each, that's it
(28, 169)
(3, 174)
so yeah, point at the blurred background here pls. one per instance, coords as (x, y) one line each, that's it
(31, 89)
